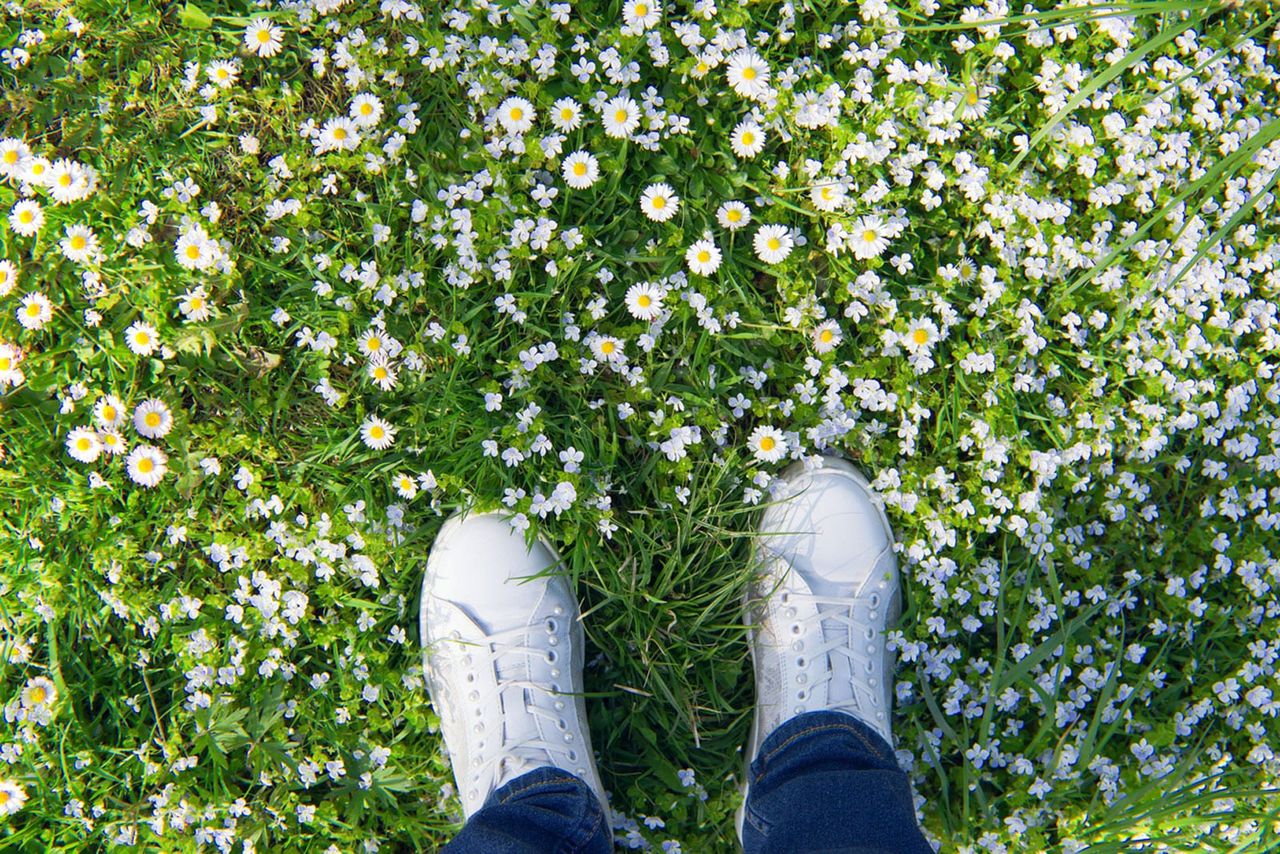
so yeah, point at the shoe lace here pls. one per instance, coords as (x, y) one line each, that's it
(509, 651)
(844, 639)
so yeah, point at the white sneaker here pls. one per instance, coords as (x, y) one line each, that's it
(503, 658)
(818, 613)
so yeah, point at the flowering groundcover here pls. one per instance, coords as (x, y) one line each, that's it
(284, 283)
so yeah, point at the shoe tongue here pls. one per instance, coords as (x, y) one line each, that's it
(840, 688)
(519, 725)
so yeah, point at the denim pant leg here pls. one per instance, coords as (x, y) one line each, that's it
(546, 811)
(826, 782)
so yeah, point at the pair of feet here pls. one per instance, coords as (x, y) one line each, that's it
(503, 640)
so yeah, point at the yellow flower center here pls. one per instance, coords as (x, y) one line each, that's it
(734, 215)
(376, 432)
(375, 344)
(108, 413)
(775, 244)
(4, 797)
(825, 336)
(83, 445)
(869, 236)
(701, 68)
(11, 156)
(641, 10)
(659, 202)
(77, 242)
(620, 117)
(366, 109)
(5, 363)
(748, 73)
(339, 133)
(920, 336)
(26, 217)
(222, 74)
(767, 443)
(704, 256)
(516, 114)
(196, 303)
(643, 301)
(37, 168)
(972, 97)
(142, 337)
(827, 193)
(264, 36)
(748, 138)
(566, 115)
(64, 179)
(193, 251)
(38, 693)
(152, 419)
(33, 309)
(145, 465)
(607, 347)
(380, 373)
(579, 168)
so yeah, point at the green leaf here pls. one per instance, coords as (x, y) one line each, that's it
(194, 18)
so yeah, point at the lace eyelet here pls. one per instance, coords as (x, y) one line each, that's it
(875, 600)
(551, 626)
(551, 656)
(800, 661)
(871, 633)
(795, 629)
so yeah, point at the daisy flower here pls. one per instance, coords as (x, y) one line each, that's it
(377, 434)
(37, 171)
(373, 342)
(828, 197)
(14, 154)
(620, 117)
(12, 797)
(146, 465)
(767, 443)
(644, 301)
(516, 115)
(406, 486)
(733, 215)
(566, 115)
(142, 338)
(747, 139)
(920, 336)
(338, 134)
(827, 336)
(608, 349)
(262, 38)
(641, 14)
(869, 238)
(10, 359)
(772, 243)
(152, 419)
(26, 218)
(63, 181)
(83, 445)
(748, 74)
(382, 373)
(222, 74)
(35, 310)
(194, 249)
(659, 202)
(581, 170)
(40, 691)
(974, 102)
(108, 412)
(112, 442)
(8, 277)
(366, 110)
(703, 257)
(80, 244)
(194, 305)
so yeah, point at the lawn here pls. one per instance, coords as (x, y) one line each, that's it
(283, 284)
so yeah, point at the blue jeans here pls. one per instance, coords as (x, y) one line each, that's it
(823, 782)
